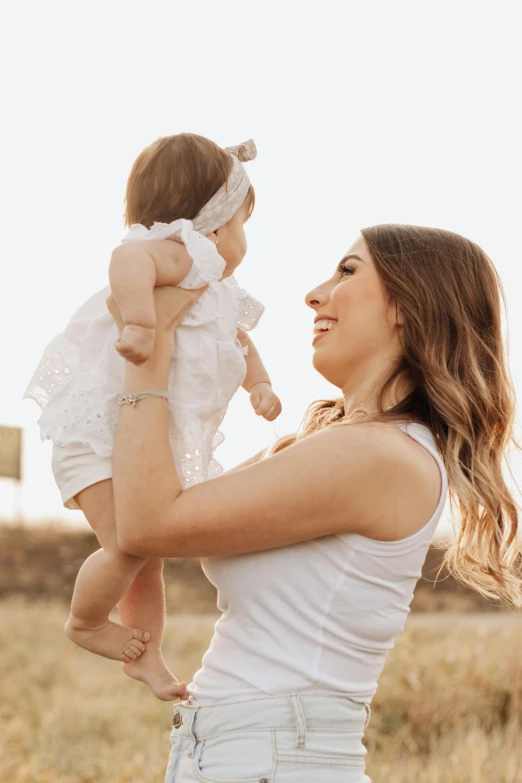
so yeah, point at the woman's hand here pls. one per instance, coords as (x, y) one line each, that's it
(171, 304)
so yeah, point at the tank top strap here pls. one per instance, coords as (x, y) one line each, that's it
(423, 435)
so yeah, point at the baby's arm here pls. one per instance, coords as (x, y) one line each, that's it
(136, 268)
(257, 382)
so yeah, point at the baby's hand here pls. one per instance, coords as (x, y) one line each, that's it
(265, 401)
(136, 343)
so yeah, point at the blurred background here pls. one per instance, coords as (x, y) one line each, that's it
(362, 113)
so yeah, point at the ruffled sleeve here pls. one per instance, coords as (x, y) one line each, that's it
(207, 265)
(250, 310)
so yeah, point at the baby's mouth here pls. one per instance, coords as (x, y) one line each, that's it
(325, 325)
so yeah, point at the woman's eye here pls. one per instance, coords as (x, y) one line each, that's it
(344, 270)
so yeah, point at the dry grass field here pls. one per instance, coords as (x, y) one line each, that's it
(42, 561)
(449, 707)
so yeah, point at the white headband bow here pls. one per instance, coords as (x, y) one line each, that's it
(225, 203)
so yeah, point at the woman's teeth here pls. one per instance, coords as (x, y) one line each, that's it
(324, 326)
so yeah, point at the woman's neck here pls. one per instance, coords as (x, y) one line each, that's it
(364, 395)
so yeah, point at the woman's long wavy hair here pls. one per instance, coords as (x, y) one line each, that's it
(454, 359)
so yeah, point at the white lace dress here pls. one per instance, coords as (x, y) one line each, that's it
(80, 376)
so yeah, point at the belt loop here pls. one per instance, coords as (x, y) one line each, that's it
(191, 734)
(300, 723)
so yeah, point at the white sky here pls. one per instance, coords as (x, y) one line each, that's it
(363, 113)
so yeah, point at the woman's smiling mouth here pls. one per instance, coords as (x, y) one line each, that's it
(322, 326)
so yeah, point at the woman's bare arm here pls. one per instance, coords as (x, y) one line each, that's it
(368, 478)
(250, 461)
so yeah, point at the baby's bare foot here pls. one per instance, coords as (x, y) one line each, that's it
(136, 343)
(153, 671)
(110, 639)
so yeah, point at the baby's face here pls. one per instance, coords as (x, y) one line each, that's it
(232, 243)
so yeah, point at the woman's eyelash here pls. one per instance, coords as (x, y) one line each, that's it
(345, 269)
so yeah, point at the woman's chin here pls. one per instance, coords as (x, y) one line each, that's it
(326, 368)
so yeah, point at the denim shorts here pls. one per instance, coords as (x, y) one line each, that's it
(308, 738)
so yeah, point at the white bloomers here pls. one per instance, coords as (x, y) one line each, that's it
(80, 376)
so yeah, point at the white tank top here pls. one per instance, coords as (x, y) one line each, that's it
(318, 616)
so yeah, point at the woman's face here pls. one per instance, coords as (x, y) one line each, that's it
(356, 329)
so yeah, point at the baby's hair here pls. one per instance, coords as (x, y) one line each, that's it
(174, 178)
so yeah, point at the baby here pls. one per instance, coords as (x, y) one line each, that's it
(187, 189)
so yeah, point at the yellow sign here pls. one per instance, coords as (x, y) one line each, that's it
(11, 452)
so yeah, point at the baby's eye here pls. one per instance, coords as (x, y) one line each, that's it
(345, 269)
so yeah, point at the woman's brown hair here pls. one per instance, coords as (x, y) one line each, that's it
(174, 178)
(454, 358)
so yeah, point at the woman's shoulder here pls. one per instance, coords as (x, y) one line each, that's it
(399, 479)
(404, 447)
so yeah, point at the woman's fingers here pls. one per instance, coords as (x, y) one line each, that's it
(172, 303)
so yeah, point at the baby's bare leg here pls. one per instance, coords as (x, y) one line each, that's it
(104, 577)
(138, 591)
(143, 605)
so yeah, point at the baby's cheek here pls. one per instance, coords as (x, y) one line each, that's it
(241, 251)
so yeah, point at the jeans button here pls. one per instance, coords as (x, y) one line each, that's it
(264, 780)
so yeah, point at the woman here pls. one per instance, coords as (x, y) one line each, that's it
(316, 548)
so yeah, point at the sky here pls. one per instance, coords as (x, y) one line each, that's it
(362, 113)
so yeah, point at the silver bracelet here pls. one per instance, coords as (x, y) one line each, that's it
(133, 398)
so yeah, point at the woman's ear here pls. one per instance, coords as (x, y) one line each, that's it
(399, 316)
(213, 237)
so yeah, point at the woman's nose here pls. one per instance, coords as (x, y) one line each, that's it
(316, 298)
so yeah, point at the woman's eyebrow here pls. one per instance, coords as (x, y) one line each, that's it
(351, 255)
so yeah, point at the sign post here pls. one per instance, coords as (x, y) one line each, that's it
(11, 460)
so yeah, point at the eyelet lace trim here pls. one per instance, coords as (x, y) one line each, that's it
(80, 375)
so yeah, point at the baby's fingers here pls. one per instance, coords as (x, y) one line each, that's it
(255, 399)
(266, 406)
(274, 411)
(260, 405)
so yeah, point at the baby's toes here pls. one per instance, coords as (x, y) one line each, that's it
(136, 647)
(140, 637)
(129, 655)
